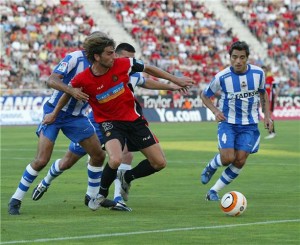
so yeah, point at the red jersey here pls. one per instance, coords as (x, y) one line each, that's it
(269, 85)
(109, 95)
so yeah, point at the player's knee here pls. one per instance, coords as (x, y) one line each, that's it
(227, 159)
(127, 157)
(239, 163)
(159, 164)
(115, 161)
(39, 163)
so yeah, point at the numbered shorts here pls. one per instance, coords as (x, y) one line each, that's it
(76, 128)
(136, 134)
(238, 137)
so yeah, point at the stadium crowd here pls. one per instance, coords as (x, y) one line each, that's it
(276, 24)
(36, 35)
(182, 37)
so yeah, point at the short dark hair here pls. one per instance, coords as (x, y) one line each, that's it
(125, 46)
(96, 43)
(239, 46)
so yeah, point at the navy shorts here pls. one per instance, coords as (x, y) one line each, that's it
(136, 134)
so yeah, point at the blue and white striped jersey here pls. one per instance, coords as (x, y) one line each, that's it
(69, 67)
(137, 79)
(239, 94)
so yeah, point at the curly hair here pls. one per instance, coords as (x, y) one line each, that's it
(96, 43)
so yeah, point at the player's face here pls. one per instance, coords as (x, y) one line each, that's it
(107, 57)
(238, 60)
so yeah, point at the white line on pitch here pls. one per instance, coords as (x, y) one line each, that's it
(147, 232)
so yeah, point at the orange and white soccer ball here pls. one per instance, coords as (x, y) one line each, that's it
(233, 203)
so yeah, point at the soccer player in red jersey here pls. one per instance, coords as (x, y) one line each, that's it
(272, 90)
(112, 100)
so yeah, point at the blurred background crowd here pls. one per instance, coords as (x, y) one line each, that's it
(182, 37)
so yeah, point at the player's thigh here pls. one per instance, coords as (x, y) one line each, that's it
(78, 128)
(92, 145)
(114, 150)
(226, 142)
(246, 138)
(155, 155)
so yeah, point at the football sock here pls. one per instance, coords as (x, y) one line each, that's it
(94, 177)
(53, 172)
(117, 182)
(108, 176)
(228, 175)
(143, 169)
(28, 177)
(215, 162)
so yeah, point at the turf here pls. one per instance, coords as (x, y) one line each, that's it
(168, 207)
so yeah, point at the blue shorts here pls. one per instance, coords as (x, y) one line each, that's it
(76, 128)
(77, 149)
(239, 137)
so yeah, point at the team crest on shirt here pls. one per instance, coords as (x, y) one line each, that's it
(62, 66)
(243, 84)
(114, 78)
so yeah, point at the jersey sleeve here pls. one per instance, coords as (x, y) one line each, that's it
(212, 87)
(137, 79)
(262, 84)
(66, 65)
(136, 66)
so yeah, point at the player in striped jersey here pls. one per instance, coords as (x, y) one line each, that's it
(242, 88)
(76, 152)
(71, 120)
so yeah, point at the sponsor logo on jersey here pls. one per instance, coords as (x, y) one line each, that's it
(242, 95)
(62, 66)
(110, 94)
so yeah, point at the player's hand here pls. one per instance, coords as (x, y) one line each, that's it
(269, 124)
(78, 94)
(184, 81)
(219, 116)
(49, 118)
(175, 87)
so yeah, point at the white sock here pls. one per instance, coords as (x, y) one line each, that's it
(228, 175)
(117, 192)
(53, 172)
(28, 177)
(94, 177)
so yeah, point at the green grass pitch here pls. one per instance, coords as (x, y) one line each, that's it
(168, 207)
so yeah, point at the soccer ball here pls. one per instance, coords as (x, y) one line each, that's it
(233, 203)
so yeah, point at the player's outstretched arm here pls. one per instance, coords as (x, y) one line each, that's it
(180, 81)
(157, 85)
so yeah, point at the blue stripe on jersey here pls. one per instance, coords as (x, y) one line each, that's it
(69, 67)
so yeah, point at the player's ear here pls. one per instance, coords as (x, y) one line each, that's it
(97, 57)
